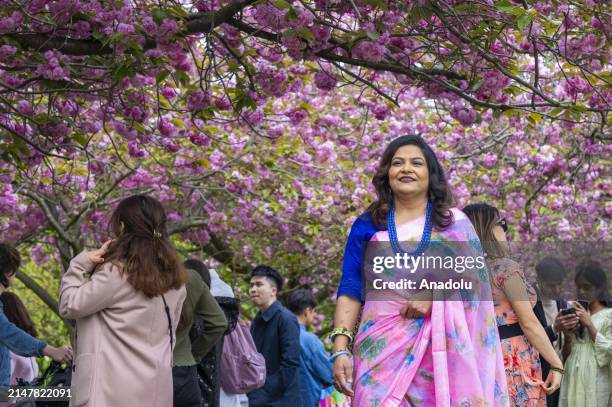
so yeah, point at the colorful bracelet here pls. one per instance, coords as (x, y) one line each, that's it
(340, 353)
(343, 332)
(557, 369)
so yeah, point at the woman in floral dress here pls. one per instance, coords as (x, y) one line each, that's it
(522, 336)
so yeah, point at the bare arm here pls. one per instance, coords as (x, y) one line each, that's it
(515, 290)
(347, 311)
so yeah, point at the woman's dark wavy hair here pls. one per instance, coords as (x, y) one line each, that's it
(439, 191)
(17, 313)
(142, 249)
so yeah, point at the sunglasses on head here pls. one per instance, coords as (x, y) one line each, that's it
(502, 222)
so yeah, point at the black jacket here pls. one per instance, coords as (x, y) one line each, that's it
(277, 337)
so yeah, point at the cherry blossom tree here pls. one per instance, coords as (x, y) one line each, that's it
(149, 71)
(288, 197)
(259, 123)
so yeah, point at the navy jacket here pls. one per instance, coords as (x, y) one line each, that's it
(277, 337)
(17, 341)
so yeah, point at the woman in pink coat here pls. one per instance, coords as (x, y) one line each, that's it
(126, 298)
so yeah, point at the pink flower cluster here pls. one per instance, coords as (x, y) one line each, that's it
(55, 68)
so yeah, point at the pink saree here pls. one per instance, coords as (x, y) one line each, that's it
(451, 358)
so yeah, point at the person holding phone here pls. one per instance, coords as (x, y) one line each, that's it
(552, 311)
(588, 381)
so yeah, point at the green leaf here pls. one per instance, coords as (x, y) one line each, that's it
(139, 127)
(80, 138)
(535, 117)
(121, 71)
(158, 16)
(306, 34)
(179, 123)
(98, 35)
(531, 121)
(116, 37)
(372, 35)
(511, 112)
(291, 14)
(506, 6)
(182, 77)
(556, 111)
(177, 11)
(379, 4)
(281, 4)
(426, 12)
(524, 21)
(579, 108)
(161, 75)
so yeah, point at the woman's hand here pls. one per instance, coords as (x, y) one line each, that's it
(553, 382)
(583, 315)
(97, 256)
(565, 323)
(343, 374)
(416, 309)
(60, 355)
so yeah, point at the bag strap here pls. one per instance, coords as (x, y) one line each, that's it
(169, 323)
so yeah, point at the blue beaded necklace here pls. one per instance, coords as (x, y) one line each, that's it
(425, 239)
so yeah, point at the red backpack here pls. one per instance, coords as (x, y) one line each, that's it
(243, 369)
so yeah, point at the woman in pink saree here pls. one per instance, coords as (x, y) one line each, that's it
(423, 352)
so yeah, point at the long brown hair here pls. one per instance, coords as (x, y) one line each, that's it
(17, 313)
(143, 249)
(484, 218)
(439, 191)
(9, 263)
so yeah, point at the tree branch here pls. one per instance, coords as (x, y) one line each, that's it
(53, 221)
(47, 298)
(194, 24)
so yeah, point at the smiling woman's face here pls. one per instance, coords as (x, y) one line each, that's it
(408, 173)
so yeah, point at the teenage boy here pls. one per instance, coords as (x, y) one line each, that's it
(276, 335)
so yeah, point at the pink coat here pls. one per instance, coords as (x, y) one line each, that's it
(122, 355)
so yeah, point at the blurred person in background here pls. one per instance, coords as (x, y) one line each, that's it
(315, 368)
(588, 377)
(224, 294)
(23, 368)
(191, 349)
(12, 338)
(550, 274)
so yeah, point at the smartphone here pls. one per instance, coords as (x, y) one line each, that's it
(568, 311)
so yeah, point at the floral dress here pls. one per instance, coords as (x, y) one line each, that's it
(521, 360)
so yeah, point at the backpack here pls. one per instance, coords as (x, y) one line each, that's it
(243, 369)
(210, 366)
